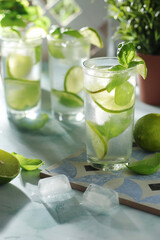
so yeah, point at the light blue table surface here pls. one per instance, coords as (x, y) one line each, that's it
(22, 217)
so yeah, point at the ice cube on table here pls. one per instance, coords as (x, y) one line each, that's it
(54, 188)
(99, 199)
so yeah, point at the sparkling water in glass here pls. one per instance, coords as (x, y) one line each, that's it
(66, 76)
(21, 69)
(109, 113)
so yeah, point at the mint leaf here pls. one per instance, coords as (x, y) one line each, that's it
(27, 163)
(117, 68)
(147, 166)
(125, 53)
(73, 33)
(135, 63)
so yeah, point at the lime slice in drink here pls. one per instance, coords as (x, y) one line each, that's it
(124, 94)
(9, 167)
(141, 68)
(55, 50)
(18, 65)
(73, 81)
(22, 94)
(98, 142)
(107, 102)
(67, 99)
(35, 32)
(92, 35)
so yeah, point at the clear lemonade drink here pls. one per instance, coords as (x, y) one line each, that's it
(66, 56)
(109, 112)
(21, 65)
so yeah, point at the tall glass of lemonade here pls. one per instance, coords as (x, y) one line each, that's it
(109, 112)
(21, 69)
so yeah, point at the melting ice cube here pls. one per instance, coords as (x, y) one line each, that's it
(99, 199)
(54, 188)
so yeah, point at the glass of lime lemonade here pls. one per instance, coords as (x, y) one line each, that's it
(21, 68)
(66, 55)
(109, 112)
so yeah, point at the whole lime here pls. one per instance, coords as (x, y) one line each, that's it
(9, 167)
(147, 132)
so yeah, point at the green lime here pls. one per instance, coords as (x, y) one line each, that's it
(18, 65)
(107, 103)
(92, 35)
(73, 81)
(22, 94)
(146, 132)
(9, 167)
(141, 68)
(98, 142)
(68, 99)
(124, 94)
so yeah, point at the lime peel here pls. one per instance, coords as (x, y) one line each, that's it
(92, 35)
(98, 142)
(9, 167)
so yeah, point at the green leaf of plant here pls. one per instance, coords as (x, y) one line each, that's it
(117, 68)
(73, 33)
(147, 166)
(27, 163)
(134, 63)
(125, 53)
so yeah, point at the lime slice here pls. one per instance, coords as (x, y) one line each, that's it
(68, 99)
(22, 94)
(92, 35)
(73, 81)
(18, 65)
(55, 51)
(124, 93)
(98, 142)
(9, 167)
(141, 68)
(35, 32)
(107, 102)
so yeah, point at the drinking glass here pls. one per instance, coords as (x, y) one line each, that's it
(66, 76)
(21, 69)
(109, 112)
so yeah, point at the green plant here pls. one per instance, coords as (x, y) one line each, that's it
(139, 22)
(19, 14)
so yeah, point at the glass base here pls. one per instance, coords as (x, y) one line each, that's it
(69, 117)
(110, 166)
(17, 115)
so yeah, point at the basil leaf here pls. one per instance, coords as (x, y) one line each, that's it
(27, 163)
(125, 53)
(147, 166)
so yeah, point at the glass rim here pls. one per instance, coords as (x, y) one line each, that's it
(91, 67)
(25, 40)
(62, 40)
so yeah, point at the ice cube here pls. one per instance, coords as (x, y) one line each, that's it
(54, 188)
(99, 199)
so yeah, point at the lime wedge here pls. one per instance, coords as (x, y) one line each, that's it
(73, 81)
(18, 65)
(124, 94)
(35, 32)
(92, 35)
(98, 142)
(9, 167)
(22, 94)
(141, 68)
(68, 99)
(107, 102)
